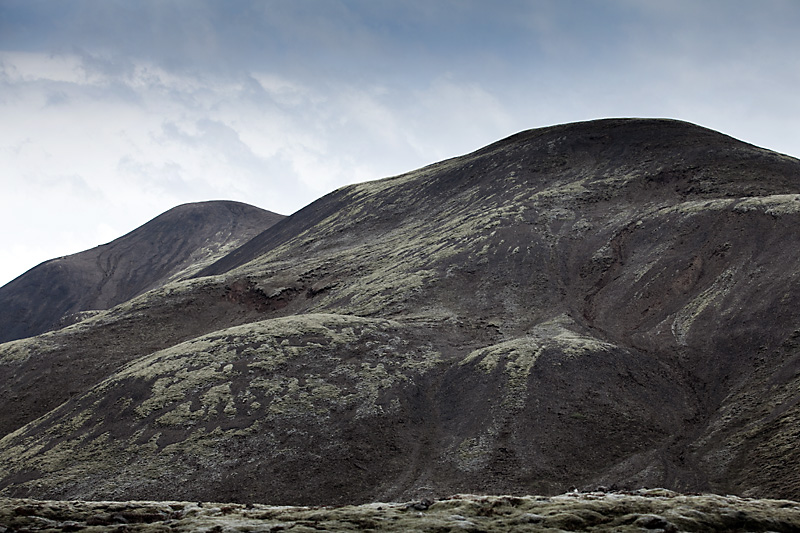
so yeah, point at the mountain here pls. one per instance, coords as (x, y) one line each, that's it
(168, 247)
(607, 303)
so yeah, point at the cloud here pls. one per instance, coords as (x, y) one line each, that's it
(131, 108)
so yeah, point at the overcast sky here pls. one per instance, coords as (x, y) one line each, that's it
(113, 111)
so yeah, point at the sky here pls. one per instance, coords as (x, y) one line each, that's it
(114, 111)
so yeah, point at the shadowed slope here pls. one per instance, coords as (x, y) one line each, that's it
(171, 246)
(612, 302)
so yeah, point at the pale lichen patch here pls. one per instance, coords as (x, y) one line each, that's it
(181, 415)
(301, 366)
(216, 395)
(517, 357)
(473, 453)
(699, 206)
(775, 204)
(18, 351)
(685, 317)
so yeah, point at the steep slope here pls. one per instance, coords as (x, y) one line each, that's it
(603, 303)
(168, 247)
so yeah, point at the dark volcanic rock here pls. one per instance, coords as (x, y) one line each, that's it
(604, 303)
(169, 247)
(643, 510)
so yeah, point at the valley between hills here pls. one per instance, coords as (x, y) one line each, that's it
(604, 306)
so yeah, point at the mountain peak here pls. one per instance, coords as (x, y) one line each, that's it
(173, 245)
(606, 160)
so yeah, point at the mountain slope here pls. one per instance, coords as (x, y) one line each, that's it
(603, 303)
(168, 247)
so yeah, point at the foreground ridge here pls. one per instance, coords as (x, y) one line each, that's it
(648, 509)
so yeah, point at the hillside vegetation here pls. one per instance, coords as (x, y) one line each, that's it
(611, 303)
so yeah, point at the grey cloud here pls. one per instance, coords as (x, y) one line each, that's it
(66, 185)
(57, 98)
(105, 64)
(219, 136)
(338, 39)
(348, 90)
(216, 136)
(167, 179)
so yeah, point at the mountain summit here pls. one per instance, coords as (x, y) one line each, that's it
(601, 303)
(169, 247)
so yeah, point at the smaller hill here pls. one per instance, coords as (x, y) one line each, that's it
(172, 246)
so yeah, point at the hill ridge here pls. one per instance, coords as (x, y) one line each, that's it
(672, 135)
(613, 308)
(168, 246)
